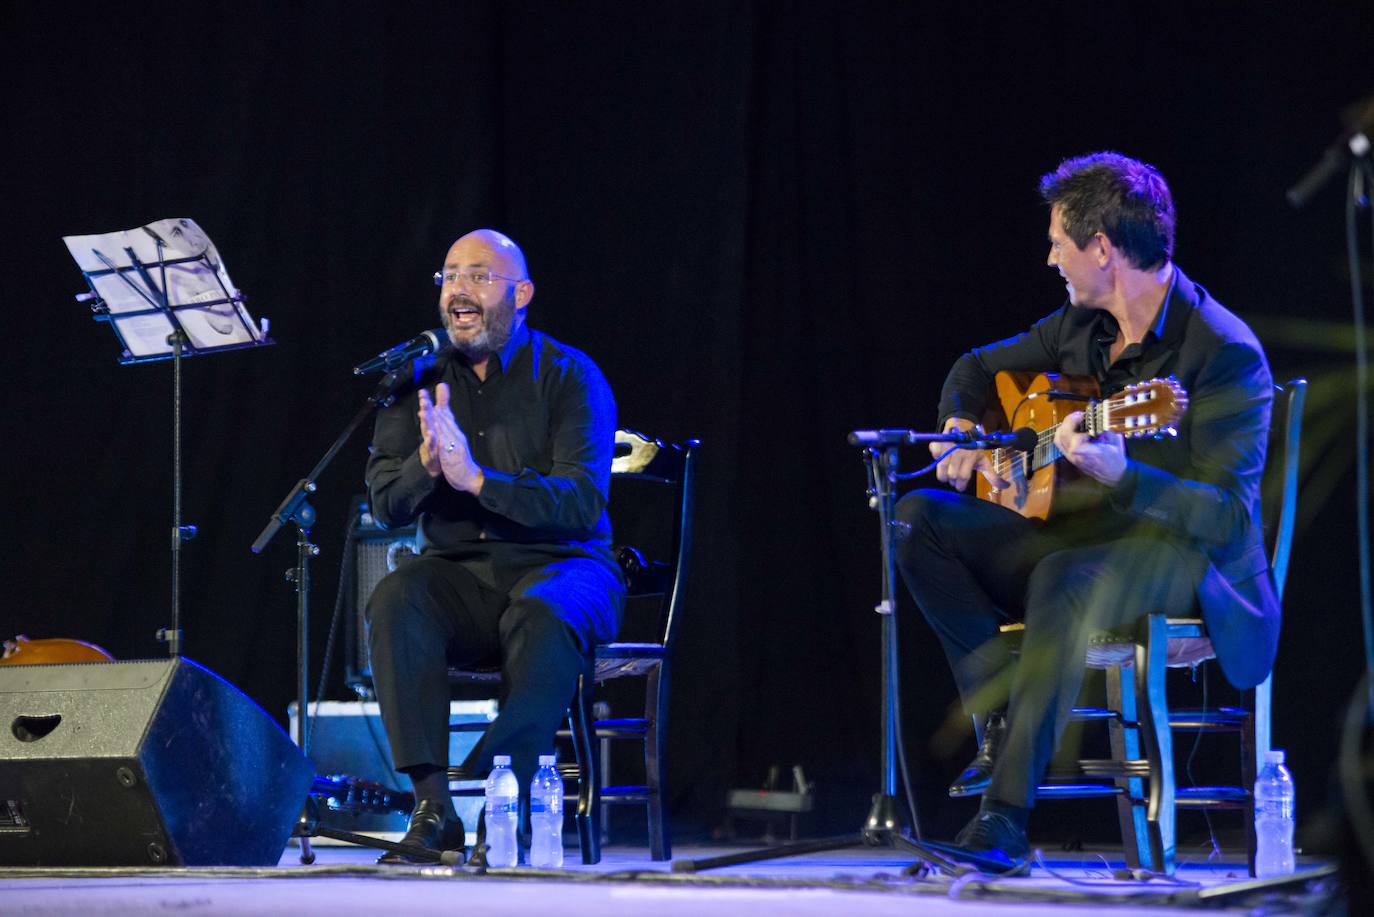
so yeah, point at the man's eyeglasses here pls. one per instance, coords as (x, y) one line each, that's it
(476, 278)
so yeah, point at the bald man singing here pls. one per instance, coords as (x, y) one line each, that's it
(501, 453)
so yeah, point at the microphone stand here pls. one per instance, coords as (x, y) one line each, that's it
(296, 509)
(882, 827)
(1355, 147)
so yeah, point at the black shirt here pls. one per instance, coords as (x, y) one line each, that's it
(1112, 377)
(541, 425)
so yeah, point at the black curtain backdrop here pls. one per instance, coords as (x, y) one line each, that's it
(769, 222)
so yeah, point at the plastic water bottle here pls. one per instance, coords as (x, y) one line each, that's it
(1275, 813)
(502, 814)
(546, 816)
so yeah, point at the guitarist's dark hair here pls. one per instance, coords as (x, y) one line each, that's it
(1126, 200)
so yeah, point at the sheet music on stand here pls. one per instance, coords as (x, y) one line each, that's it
(166, 276)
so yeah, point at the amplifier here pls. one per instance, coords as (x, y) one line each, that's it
(375, 553)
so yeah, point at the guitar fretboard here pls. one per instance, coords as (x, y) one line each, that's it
(1097, 418)
(1046, 451)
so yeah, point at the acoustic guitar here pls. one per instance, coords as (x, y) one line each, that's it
(1041, 484)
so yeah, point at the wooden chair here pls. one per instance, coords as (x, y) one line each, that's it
(1139, 720)
(655, 578)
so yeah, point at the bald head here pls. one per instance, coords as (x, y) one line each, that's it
(485, 292)
(491, 249)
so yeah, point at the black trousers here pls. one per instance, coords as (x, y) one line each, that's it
(435, 612)
(972, 565)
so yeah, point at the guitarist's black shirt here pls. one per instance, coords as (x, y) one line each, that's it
(1113, 377)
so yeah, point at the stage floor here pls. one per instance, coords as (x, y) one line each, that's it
(869, 881)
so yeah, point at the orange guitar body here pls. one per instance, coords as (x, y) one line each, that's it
(1024, 400)
(23, 651)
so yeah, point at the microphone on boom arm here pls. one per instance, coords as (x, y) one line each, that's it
(435, 341)
(1024, 439)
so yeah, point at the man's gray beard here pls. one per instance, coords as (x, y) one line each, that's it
(497, 325)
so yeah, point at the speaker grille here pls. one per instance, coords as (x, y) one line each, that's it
(147, 763)
(376, 552)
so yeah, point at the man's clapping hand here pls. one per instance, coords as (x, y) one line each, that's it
(443, 446)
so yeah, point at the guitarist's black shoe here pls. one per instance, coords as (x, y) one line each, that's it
(994, 834)
(978, 775)
(433, 828)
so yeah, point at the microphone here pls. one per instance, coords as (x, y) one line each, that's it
(1023, 439)
(1332, 161)
(1354, 142)
(435, 341)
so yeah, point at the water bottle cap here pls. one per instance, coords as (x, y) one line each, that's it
(547, 759)
(1274, 757)
(501, 761)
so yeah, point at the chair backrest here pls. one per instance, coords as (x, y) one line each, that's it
(671, 468)
(1280, 496)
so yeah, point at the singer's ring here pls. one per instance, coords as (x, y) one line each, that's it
(450, 447)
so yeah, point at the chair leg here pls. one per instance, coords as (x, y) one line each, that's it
(1125, 740)
(656, 711)
(1254, 743)
(601, 711)
(1151, 659)
(588, 786)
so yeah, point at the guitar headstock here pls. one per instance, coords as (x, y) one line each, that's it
(1150, 408)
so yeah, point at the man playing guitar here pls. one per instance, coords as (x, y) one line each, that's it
(1174, 524)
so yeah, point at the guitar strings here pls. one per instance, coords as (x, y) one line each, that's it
(1005, 459)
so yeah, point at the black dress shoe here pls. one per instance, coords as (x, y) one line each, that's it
(994, 833)
(976, 777)
(433, 828)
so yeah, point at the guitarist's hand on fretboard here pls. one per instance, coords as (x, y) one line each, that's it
(1101, 457)
(960, 465)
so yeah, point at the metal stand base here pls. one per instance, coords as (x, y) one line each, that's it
(928, 856)
(308, 826)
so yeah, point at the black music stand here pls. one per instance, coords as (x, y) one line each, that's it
(190, 307)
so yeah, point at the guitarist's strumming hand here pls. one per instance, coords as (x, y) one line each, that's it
(961, 464)
(1101, 457)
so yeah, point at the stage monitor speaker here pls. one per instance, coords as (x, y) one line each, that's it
(158, 762)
